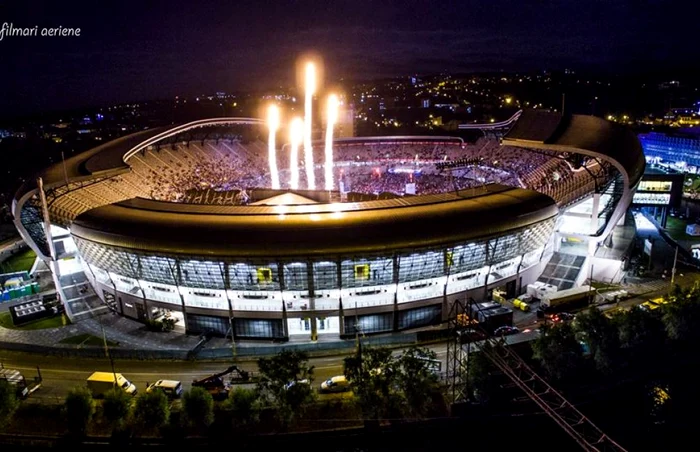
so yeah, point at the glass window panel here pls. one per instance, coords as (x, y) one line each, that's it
(325, 275)
(254, 276)
(467, 257)
(208, 324)
(158, 269)
(414, 318)
(259, 328)
(504, 248)
(201, 274)
(296, 276)
(366, 324)
(429, 264)
(361, 272)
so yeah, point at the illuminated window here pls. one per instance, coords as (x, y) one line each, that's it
(264, 275)
(362, 272)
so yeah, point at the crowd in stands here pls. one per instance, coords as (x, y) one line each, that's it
(366, 167)
(177, 172)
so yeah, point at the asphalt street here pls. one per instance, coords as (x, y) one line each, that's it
(59, 375)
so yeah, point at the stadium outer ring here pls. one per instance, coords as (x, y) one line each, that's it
(88, 225)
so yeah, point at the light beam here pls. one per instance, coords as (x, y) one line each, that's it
(296, 132)
(309, 89)
(331, 119)
(273, 123)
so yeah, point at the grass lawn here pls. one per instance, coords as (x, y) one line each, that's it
(41, 324)
(695, 185)
(676, 229)
(87, 339)
(21, 261)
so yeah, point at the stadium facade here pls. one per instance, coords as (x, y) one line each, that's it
(680, 151)
(309, 265)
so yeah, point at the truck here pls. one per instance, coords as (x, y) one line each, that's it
(219, 387)
(491, 319)
(16, 379)
(562, 300)
(476, 308)
(100, 383)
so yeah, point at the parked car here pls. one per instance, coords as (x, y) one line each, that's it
(561, 317)
(335, 384)
(296, 382)
(506, 330)
(470, 335)
(171, 388)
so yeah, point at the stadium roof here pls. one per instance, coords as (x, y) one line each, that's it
(583, 134)
(314, 229)
(586, 135)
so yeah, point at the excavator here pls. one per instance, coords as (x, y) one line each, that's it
(219, 386)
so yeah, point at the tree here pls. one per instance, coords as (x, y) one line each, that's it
(115, 407)
(642, 336)
(285, 381)
(602, 337)
(151, 410)
(558, 352)
(244, 405)
(80, 408)
(372, 376)
(482, 384)
(682, 317)
(418, 382)
(198, 408)
(8, 402)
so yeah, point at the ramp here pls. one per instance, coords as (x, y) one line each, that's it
(563, 270)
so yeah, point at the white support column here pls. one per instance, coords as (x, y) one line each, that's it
(594, 213)
(47, 220)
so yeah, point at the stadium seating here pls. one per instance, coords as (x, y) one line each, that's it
(196, 171)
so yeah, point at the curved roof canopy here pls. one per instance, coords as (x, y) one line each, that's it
(314, 229)
(370, 226)
(588, 135)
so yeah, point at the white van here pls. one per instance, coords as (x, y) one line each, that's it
(171, 388)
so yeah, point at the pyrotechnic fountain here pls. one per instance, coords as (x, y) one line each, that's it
(309, 89)
(300, 136)
(331, 119)
(296, 132)
(273, 123)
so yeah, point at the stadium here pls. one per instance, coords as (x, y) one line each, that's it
(182, 222)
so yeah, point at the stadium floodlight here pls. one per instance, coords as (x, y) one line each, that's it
(331, 119)
(296, 132)
(273, 123)
(309, 90)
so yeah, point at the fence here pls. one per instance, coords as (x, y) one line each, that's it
(206, 353)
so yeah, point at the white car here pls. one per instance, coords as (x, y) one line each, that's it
(335, 384)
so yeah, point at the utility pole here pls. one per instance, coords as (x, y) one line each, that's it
(107, 354)
(673, 271)
(563, 102)
(65, 171)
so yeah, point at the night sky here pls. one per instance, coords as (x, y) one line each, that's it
(138, 50)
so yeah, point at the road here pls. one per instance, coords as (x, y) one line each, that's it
(59, 375)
